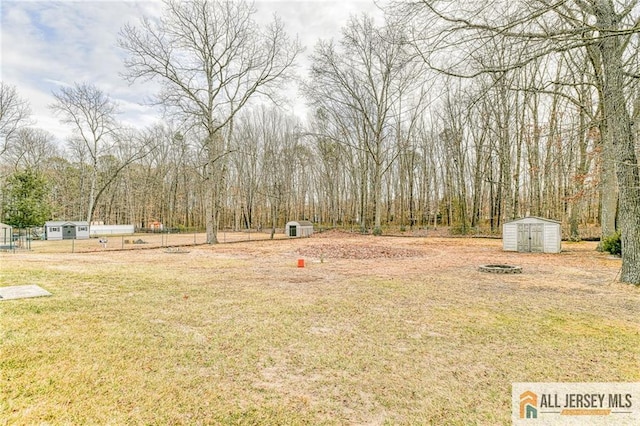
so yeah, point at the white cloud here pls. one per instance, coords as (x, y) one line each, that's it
(48, 44)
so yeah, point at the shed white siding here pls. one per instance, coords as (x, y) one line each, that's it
(297, 229)
(53, 231)
(510, 236)
(97, 230)
(518, 235)
(60, 230)
(6, 234)
(552, 238)
(82, 232)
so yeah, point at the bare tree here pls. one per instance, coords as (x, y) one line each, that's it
(534, 29)
(31, 149)
(128, 146)
(359, 83)
(91, 113)
(210, 58)
(154, 187)
(279, 160)
(14, 114)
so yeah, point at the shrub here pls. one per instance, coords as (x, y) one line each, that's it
(612, 244)
(460, 230)
(377, 231)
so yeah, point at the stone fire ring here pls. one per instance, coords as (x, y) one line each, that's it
(500, 269)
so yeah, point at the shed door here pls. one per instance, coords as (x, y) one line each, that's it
(536, 237)
(530, 237)
(523, 237)
(293, 231)
(68, 232)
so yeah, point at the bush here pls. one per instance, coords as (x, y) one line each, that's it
(377, 231)
(612, 244)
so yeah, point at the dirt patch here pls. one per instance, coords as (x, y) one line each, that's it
(350, 250)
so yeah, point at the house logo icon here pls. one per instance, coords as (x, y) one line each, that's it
(528, 405)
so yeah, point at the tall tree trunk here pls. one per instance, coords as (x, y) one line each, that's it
(578, 180)
(211, 215)
(608, 181)
(623, 144)
(377, 195)
(92, 192)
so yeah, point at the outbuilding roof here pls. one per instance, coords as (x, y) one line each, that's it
(66, 222)
(534, 217)
(302, 222)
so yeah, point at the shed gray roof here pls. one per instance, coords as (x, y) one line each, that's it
(535, 217)
(302, 222)
(66, 222)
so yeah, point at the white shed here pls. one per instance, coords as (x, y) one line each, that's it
(66, 230)
(6, 235)
(302, 228)
(99, 230)
(532, 234)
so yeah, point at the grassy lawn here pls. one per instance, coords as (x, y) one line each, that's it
(371, 331)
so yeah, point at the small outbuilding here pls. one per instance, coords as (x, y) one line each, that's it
(101, 230)
(296, 229)
(63, 230)
(6, 236)
(532, 234)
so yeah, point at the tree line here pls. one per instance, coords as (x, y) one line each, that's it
(446, 114)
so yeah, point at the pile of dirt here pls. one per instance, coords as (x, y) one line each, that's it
(346, 250)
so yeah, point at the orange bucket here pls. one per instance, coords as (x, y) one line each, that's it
(300, 263)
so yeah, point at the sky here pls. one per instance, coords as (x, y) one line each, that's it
(45, 45)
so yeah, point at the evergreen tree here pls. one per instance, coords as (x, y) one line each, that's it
(26, 200)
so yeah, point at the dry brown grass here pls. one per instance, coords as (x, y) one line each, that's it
(144, 242)
(372, 331)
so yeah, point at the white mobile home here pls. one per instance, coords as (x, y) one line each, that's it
(302, 228)
(66, 230)
(101, 230)
(532, 234)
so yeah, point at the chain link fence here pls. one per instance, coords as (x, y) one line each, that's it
(147, 240)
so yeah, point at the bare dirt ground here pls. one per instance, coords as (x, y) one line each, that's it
(403, 256)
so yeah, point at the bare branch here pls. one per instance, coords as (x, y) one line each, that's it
(14, 114)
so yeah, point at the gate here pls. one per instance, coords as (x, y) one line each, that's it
(530, 237)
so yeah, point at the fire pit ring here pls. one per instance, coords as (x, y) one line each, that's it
(500, 269)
